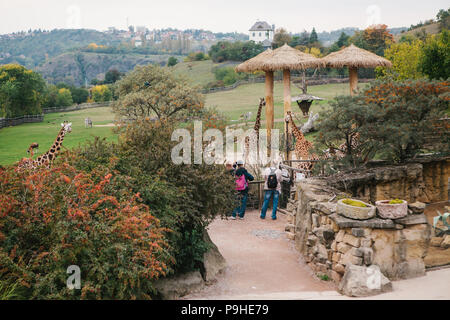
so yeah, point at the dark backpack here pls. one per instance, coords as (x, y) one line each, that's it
(272, 181)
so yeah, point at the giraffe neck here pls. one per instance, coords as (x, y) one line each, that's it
(51, 154)
(258, 118)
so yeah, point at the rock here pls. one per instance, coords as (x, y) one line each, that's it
(315, 220)
(325, 207)
(351, 240)
(339, 268)
(289, 227)
(413, 219)
(324, 234)
(357, 213)
(365, 253)
(213, 261)
(410, 269)
(321, 252)
(358, 252)
(336, 276)
(290, 235)
(436, 241)
(334, 246)
(340, 236)
(399, 226)
(343, 247)
(436, 257)
(336, 257)
(349, 258)
(364, 281)
(311, 241)
(446, 242)
(358, 232)
(417, 207)
(175, 287)
(366, 243)
(374, 223)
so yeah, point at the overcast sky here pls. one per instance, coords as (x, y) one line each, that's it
(217, 16)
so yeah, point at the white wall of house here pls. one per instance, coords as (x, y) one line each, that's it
(260, 36)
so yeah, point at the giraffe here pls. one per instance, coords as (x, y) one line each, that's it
(47, 158)
(255, 133)
(31, 148)
(302, 147)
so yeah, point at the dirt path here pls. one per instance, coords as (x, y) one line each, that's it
(260, 259)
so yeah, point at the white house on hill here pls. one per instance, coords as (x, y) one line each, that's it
(262, 32)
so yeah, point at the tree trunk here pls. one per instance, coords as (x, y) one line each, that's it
(287, 93)
(353, 74)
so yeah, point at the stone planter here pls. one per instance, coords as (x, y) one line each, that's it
(353, 212)
(391, 211)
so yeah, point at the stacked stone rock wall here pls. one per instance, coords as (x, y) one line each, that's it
(330, 242)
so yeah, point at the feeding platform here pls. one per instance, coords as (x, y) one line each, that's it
(304, 102)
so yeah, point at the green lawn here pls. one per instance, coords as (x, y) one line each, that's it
(199, 72)
(14, 141)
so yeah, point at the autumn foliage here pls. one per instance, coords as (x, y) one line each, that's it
(51, 219)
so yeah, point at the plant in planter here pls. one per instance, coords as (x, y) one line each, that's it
(392, 209)
(355, 209)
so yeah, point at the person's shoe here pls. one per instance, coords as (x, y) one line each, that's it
(262, 218)
(274, 218)
(233, 218)
(241, 218)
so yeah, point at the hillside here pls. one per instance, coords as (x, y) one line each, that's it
(433, 28)
(200, 72)
(76, 67)
(32, 50)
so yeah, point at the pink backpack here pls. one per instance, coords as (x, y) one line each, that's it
(241, 183)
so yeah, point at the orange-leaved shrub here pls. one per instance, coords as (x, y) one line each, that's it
(51, 219)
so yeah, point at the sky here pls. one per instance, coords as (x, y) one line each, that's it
(217, 16)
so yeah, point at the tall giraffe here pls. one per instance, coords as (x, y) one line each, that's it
(48, 157)
(255, 133)
(302, 147)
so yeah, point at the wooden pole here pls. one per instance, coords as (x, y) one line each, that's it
(353, 74)
(269, 108)
(287, 100)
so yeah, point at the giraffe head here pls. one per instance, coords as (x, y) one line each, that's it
(66, 127)
(262, 102)
(288, 116)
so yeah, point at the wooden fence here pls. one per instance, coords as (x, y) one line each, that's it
(77, 107)
(8, 122)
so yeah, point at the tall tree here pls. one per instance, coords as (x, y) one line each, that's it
(313, 38)
(281, 37)
(21, 91)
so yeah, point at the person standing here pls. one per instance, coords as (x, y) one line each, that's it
(242, 177)
(272, 189)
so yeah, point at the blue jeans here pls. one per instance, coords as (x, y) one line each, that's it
(268, 194)
(241, 208)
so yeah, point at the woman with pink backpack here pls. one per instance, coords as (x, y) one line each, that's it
(242, 177)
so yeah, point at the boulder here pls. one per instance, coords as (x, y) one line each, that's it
(213, 261)
(446, 242)
(359, 281)
(417, 207)
(356, 213)
(178, 286)
(412, 219)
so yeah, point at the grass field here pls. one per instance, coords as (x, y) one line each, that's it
(14, 141)
(200, 72)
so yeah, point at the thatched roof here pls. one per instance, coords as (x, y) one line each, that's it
(282, 58)
(352, 56)
(305, 97)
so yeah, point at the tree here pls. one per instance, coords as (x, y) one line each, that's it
(101, 93)
(112, 76)
(443, 17)
(435, 58)
(281, 37)
(172, 61)
(21, 91)
(236, 51)
(343, 40)
(151, 90)
(79, 95)
(313, 38)
(64, 98)
(377, 38)
(405, 59)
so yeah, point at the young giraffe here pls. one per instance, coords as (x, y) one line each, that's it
(48, 157)
(302, 147)
(256, 127)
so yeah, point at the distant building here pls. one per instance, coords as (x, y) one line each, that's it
(262, 31)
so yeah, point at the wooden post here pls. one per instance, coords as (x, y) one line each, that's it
(353, 74)
(269, 109)
(287, 92)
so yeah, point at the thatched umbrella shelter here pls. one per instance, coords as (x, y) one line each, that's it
(284, 58)
(354, 58)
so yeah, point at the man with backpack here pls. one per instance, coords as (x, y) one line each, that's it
(272, 188)
(242, 176)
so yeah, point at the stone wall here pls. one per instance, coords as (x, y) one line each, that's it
(330, 242)
(424, 181)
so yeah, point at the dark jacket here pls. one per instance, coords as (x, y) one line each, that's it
(242, 171)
